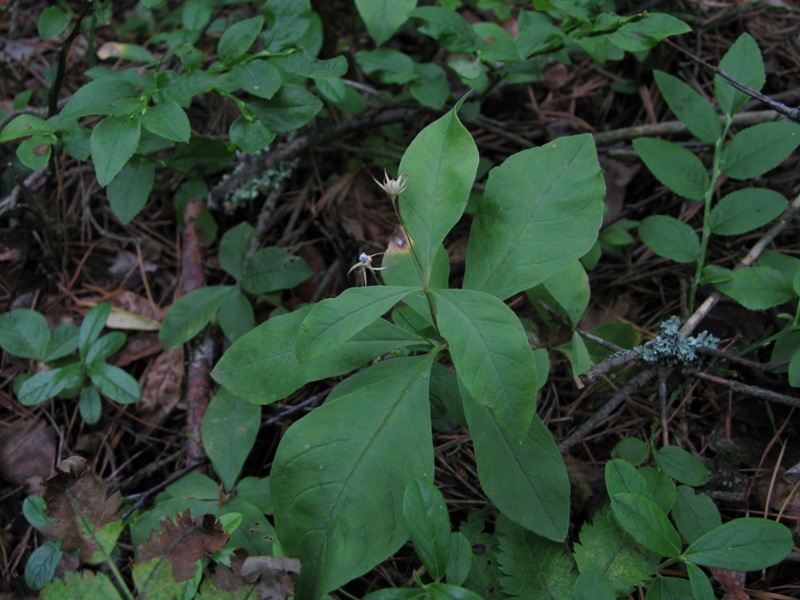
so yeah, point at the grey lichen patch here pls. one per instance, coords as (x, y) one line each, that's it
(672, 349)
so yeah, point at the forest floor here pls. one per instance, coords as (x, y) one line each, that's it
(63, 251)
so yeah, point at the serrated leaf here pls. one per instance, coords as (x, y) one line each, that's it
(440, 165)
(272, 269)
(168, 120)
(190, 314)
(384, 17)
(128, 192)
(491, 354)
(334, 321)
(326, 466)
(603, 545)
(691, 108)
(229, 429)
(747, 544)
(743, 62)
(541, 210)
(114, 141)
(745, 210)
(24, 333)
(238, 38)
(670, 238)
(290, 108)
(757, 288)
(428, 523)
(759, 148)
(593, 584)
(526, 480)
(646, 522)
(674, 166)
(79, 585)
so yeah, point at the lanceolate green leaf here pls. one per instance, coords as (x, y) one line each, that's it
(645, 522)
(757, 288)
(743, 62)
(526, 480)
(428, 523)
(691, 108)
(340, 473)
(238, 38)
(114, 141)
(46, 384)
(670, 238)
(541, 210)
(760, 148)
(334, 321)
(745, 210)
(262, 366)
(92, 326)
(492, 355)
(440, 165)
(115, 383)
(674, 166)
(742, 545)
(191, 313)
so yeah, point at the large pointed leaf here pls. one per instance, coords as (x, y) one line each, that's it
(262, 365)
(440, 164)
(492, 355)
(528, 480)
(190, 314)
(340, 473)
(334, 321)
(541, 210)
(742, 545)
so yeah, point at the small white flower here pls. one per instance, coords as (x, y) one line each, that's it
(364, 264)
(393, 187)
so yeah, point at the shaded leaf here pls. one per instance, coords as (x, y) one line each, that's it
(745, 210)
(128, 192)
(24, 333)
(114, 141)
(191, 313)
(743, 62)
(670, 238)
(272, 269)
(674, 166)
(647, 523)
(384, 17)
(691, 108)
(759, 148)
(289, 109)
(742, 545)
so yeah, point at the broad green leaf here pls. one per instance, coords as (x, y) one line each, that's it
(46, 384)
(388, 65)
(431, 88)
(229, 430)
(288, 22)
(35, 511)
(24, 126)
(24, 333)
(681, 465)
(593, 584)
(104, 347)
(258, 77)
(232, 248)
(289, 109)
(114, 141)
(195, 14)
(641, 35)
(262, 366)
(541, 210)
(570, 289)
(255, 534)
(128, 192)
(236, 316)
(35, 152)
(694, 514)
(92, 326)
(428, 523)
(759, 148)
(661, 488)
(622, 477)
(691, 108)
(604, 546)
(272, 269)
(384, 17)
(698, 581)
(334, 321)
(169, 121)
(303, 64)
(526, 480)
(670, 238)
(745, 210)
(491, 354)
(646, 522)
(78, 585)
(115, 383)
(41, 565)
(52, 22)
(674, 166)
(460, 560)
(534, 568)
(669, 588)
(329, 512)
(757, 288)
(449, 28)
(747, 544)
(440, 165)
(633, 450)
(743, 62)
(190, 314)
(110, 95)
(237, 39)
(90, 405)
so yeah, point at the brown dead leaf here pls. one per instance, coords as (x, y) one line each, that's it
(27, 454)
(183, 542)
(138, 346)
(161, 387)
(617, 176)
(732, 582)
(274, 574)
(75, 495)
